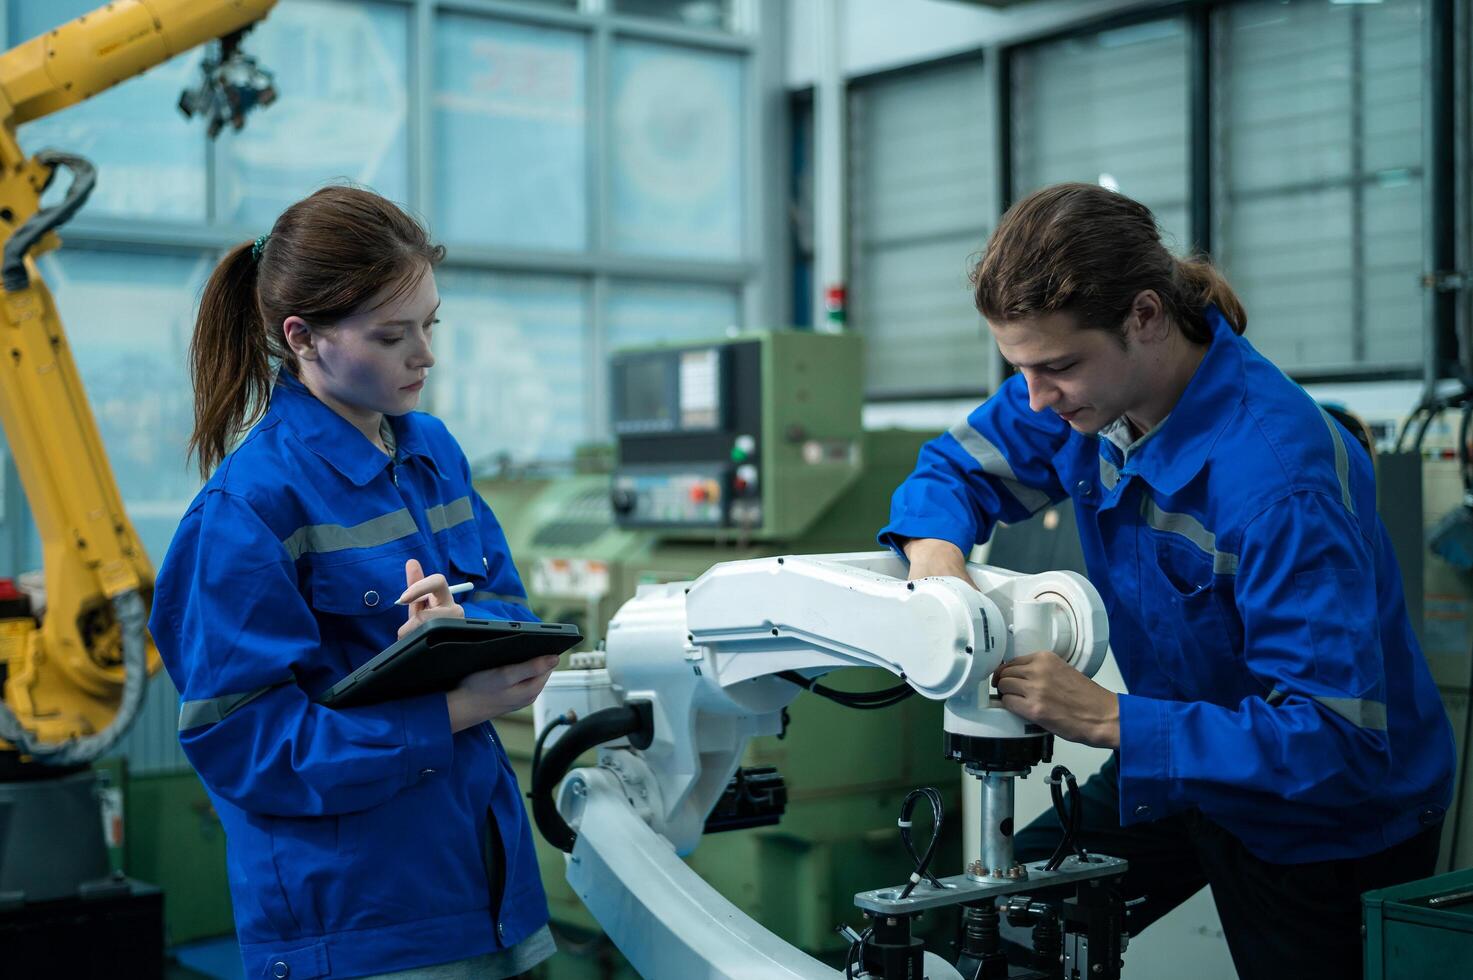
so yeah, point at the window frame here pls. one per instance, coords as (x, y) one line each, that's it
(753, 31)
(1446, 233)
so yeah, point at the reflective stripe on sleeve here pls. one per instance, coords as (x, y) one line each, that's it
(994, 464)
(1359, 712)
(1342, 461)
(1223, 562)
(449, 515)
(208, 711)
(322, 538)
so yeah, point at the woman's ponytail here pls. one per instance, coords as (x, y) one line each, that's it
(229, 358)
(1202, 283)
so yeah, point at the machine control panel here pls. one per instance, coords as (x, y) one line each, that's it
(662, 495)
(751, 436)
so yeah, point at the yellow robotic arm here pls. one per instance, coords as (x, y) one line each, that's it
(73, 684)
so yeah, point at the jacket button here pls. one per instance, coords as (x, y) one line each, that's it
(1084, 488)
(500, 931)
(1429, 817)
(427, 772)
(1143, 811)
(370, 598)
(280, 970)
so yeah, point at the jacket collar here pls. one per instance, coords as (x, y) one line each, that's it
(1175, 451)
(336, 440)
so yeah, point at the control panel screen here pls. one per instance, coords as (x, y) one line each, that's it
(658, 392)
(642, 395)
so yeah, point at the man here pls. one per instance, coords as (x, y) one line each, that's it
(1283, 740)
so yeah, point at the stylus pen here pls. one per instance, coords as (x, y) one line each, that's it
(460, 589)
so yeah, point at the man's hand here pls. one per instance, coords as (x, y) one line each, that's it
(428, 598)
(931, 557)
(1041, 688)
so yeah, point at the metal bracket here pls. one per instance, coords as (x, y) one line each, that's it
(959, 889)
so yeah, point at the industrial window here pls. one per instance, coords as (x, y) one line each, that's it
(511, 144)
(646, 313)
(343, 71)
(511, 373)
(923, 199)
(154, 157)
(692, 13)
(676, 166)
(1108, 107)
(1317, 184)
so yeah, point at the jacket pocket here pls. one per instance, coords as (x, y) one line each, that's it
(1187, 570)
(366, 586)
(1191, 633)
(465, 554)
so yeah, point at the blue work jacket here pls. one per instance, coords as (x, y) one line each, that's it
(367, 839)
(1256, 609)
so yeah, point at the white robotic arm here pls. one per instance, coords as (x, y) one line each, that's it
(701, 659)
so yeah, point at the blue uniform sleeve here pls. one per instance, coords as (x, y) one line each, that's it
(1306, 592)
(502, 596)
(232, 628)
(995, 465)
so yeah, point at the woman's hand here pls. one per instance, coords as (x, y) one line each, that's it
(931, 557)
(428, 597)
(489, 694)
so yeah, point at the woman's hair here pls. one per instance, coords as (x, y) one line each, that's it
(1088, 251)
(327, 257)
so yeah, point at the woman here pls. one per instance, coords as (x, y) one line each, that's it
(371, 839)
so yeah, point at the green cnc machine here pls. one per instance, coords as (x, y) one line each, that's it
(740, 448)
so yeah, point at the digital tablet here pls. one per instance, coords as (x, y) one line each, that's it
(437, 655)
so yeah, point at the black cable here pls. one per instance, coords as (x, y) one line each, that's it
(1407, 427)
(1068, 821)
(851, 960)
(634, 721)
(851, 699)
(862, 700)
(1427, 418)
(566, 718)
(922, 862)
